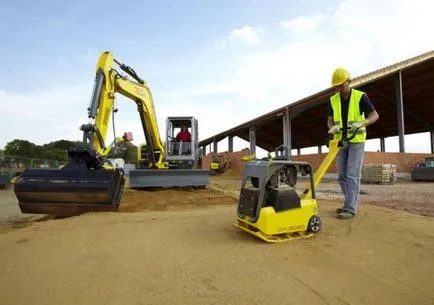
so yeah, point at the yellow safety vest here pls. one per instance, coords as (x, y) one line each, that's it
(353, 115)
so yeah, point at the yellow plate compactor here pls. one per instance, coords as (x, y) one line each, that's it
(269, 205)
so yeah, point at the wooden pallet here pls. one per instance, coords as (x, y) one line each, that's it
(378, 174)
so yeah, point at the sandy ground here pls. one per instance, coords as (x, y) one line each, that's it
(180, 247)
(10, 214)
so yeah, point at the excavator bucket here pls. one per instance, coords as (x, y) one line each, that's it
(66, 192)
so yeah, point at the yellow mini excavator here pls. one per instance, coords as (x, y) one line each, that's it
(270, 207)
(88, 182)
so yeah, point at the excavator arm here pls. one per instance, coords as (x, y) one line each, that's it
(86, 182)
(109, 82)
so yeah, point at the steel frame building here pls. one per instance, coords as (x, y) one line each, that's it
(402, 93)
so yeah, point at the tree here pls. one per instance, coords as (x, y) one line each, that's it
(126, 151)
(22, 148)
(57, 150)
(61, 144)
(54, 154)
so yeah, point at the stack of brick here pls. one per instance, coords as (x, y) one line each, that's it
(379, 173)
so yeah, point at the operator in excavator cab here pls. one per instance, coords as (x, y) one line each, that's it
(184, 135)
(349, 110)
(182, 141)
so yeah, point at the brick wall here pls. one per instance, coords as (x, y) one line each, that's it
(404, 162)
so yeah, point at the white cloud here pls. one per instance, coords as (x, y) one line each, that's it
(42, 116)
(205, 89)
(392, 30)
(365, 35)
(304, 23)
(246, 34)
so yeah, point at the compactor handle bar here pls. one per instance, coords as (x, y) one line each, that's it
(347, 129)
(330, 136)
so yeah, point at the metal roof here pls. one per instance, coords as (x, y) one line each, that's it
(309, 115)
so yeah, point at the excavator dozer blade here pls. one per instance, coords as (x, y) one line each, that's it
(150, 178)
(69, 192)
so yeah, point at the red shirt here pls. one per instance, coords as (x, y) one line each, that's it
(183, 136)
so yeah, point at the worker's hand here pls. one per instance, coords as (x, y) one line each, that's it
(359, 124)
(334, 129)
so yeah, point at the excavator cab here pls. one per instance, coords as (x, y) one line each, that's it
(181, 145)
(181, 158)
(181, 142)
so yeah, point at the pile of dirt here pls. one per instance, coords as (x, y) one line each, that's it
(231, 173)
(161, 199)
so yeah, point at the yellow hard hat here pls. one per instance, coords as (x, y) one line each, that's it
(340, 76)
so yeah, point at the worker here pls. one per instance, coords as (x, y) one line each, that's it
(349, 110)
(184, 135)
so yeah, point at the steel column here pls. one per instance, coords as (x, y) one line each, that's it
(285, 129)
(400, 111)
(214, 146)
(298, 151)
(287, 138)
(319, 149)
(382, 145)
(407, 110)
(231, 144)
(432, 141)
(252, 139)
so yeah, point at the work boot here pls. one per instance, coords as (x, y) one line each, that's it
(346, 215)
(340, 210)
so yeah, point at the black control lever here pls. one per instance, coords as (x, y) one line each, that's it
(340, 144)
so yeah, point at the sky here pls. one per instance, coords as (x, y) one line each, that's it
(200, 58)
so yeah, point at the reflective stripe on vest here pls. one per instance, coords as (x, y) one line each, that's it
(353, 115)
